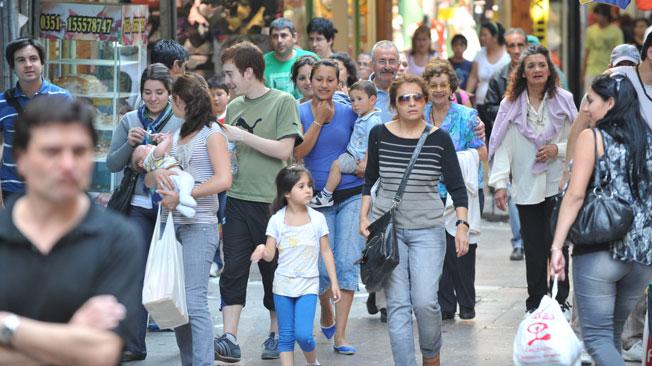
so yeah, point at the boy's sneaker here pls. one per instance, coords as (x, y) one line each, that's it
(270, 348)
(320, 201)
(225, 350)
(634, 353)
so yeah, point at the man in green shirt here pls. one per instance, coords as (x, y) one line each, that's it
(265, 125)
(278, 63)
(601, 38)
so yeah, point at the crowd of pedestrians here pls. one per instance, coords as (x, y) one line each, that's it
(290, 156)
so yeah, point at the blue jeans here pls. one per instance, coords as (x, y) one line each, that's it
(295, 317)
(514, 221)
(413, 286)
(144, 219)
(606, 291)
(195, 339)
(345, 241)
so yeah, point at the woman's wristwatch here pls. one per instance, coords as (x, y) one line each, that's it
(463, 222)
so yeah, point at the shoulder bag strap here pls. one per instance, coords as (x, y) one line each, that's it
(596, 165)
(408, 170)
(13, 101)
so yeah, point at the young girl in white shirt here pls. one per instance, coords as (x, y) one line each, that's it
(300, 233)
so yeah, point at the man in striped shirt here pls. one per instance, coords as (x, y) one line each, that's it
(26, 58)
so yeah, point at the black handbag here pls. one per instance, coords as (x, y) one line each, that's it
(604, 217)
(380, 255)
(120, 200)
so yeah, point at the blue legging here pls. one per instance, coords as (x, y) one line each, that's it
(295, 318)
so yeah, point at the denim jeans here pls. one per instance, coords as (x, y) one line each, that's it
(345, 241)
(412, 287)
(606, 291)
(144, 219)
(195, 339)
(295, 317)
(514, 221)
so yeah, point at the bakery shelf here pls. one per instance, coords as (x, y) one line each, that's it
(91, 62)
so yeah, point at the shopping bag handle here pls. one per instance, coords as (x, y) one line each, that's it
(555, 287)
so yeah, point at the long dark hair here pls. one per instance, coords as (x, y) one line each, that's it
(351, 69)
(517, 80)
(285, 180)
(626, 125)
(496, 29)
(193, 90)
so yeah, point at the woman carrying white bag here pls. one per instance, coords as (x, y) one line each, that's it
(201, 148)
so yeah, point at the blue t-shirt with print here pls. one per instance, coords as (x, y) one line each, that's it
(333, 140)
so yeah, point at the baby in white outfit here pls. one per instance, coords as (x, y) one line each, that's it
(152, 157)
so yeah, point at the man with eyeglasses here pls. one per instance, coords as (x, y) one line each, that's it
(384, 64)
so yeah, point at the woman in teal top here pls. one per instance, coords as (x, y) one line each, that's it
(457, 284)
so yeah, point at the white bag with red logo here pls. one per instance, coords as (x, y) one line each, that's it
(545, 337)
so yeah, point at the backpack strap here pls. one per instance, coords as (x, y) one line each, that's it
(10, 95)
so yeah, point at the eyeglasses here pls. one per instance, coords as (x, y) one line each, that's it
(404, 99)
(442, 86)
(514, 45)
(390, 62)
(618, 77)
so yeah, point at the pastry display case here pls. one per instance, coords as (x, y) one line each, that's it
(97, 52)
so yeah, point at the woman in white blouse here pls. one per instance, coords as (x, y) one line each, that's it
(528, 144)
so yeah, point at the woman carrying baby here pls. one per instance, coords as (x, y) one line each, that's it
(153, 116)
(200, 147)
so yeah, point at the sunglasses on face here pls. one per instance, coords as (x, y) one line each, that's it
(405, 98)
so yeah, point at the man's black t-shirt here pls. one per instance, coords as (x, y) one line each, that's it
(99, 256)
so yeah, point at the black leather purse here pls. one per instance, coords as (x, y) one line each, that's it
(604, 217)
(120, 200)
(380, 256)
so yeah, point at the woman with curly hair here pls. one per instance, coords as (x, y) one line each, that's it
(528, 143)
(200, 146)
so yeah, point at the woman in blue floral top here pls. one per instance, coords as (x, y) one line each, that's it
(457, 284)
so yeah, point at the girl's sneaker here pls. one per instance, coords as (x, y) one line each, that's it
(320, 201)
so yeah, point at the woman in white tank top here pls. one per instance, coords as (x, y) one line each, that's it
(491, 58)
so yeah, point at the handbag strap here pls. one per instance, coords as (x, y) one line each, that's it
(408, 170)
(596, 165)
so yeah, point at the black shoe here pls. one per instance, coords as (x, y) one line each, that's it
(467, 314)
(517, 254)
(383, 315)
(371, 304)
(131, 356)
(447, 315)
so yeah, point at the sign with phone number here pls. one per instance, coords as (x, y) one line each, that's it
(123, 23)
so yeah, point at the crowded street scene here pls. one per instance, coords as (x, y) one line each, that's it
(351, 182)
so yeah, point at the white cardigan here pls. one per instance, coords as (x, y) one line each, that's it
(469, 164)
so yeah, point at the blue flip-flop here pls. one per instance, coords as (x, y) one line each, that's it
(344, 350)
(329, 332)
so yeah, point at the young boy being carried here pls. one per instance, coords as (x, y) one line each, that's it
(363, 100)
(152, 157)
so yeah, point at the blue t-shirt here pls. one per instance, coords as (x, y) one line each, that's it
(9, 178)
(463, 70)
(331, 143)
(459, 123)
(382, 103)
(360, 137)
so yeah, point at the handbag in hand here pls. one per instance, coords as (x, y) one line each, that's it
(380, 256)
(120, 200)
(604, 217)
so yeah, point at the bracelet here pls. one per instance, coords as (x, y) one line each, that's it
(555, 248)
(462, 222)
(318, 124)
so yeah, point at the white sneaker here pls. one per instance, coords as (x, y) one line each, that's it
(585, 358)
(634, 353)
(320, 201)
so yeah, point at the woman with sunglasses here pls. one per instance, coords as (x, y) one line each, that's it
(327, 128)
(413, 285)
(528, 144)
(457, 284)
(609, 278)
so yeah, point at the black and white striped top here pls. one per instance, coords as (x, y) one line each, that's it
(421, 206)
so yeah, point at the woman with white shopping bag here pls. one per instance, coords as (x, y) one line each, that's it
(201, 148)
(608, 277)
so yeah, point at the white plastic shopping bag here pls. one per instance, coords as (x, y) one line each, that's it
(164, 293)
(545, 338)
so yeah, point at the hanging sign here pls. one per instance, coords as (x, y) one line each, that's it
(92, 22)
(539, 10)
